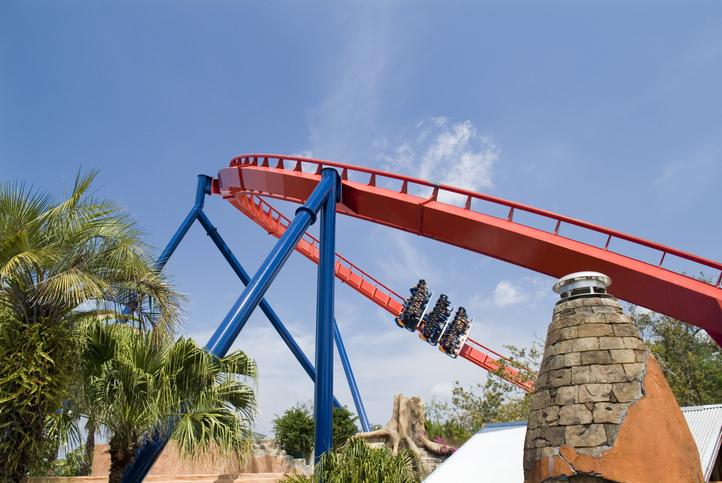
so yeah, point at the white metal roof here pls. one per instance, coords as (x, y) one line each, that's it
(705, 424)
(495, 453)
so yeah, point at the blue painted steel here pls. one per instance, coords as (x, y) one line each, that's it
(323, 390)
(241, 311)
(358, 402)
(212, 232)
(251, 296)
(202, 189)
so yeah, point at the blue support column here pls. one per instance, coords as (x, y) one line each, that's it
(323, 391)
(360, 409)
(225, 335)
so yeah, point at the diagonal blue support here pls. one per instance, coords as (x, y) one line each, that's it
(230, 327)
(360, 409)
(223, 338)
(273, 318)
(203, 188)
(323, 390)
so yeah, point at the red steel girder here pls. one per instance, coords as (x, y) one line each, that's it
(652, 286)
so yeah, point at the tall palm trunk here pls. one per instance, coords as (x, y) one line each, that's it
(122, 454)
(87, 465)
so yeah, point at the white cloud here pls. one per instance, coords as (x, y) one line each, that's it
(453, 153)
(507, 293)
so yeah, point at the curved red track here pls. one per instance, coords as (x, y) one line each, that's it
(275, 223)
(652, 286)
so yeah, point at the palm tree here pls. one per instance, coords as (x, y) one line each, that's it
(62, 265)
(139, 382)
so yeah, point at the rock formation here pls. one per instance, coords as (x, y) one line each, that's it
(406, 429)
(602, 410)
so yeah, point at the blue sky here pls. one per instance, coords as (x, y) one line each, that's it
(606, 111)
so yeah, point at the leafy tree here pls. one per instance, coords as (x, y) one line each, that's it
(356, 462)
(497, 400)
(690, 359)
(141, 381)
(62, 264)
(294, 429)
(344, 426)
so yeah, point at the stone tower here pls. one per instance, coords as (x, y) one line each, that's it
(602, 410)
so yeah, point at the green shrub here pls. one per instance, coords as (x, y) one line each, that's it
(356, 462)
(294, 430)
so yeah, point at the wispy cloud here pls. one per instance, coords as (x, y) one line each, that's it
(694, 176)
(403, 261)
(341, 123)
(441, 150)
(508, 293)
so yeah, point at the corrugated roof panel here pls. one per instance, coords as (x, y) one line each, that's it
(705, 424)
(491, 427)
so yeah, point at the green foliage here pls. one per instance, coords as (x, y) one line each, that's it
(356, 462)
(690, 359)
(294, 429)
(139, 380)
(344, 426)
(62, 265)
(495, 401)
(33, 380)
(446, 429)
(70, 465)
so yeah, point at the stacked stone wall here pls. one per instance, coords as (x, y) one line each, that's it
(592, 371)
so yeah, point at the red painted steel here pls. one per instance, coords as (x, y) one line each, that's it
(275, 223)
(652, 286)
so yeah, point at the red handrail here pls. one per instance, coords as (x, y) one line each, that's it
(285, 221)
(253, 159)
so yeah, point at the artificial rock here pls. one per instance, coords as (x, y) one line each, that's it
(602, 410)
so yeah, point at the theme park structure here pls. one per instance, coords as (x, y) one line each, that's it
(484, 224)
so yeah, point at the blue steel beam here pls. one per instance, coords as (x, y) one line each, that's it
(358, 402)
(273, 318)
(242, 309)
(202, 188)
(240, 312)
(323, 390)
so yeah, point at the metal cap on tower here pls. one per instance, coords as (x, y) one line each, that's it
(581, 284)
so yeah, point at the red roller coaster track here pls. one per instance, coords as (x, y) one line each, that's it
(275, 223)
(653, 286)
